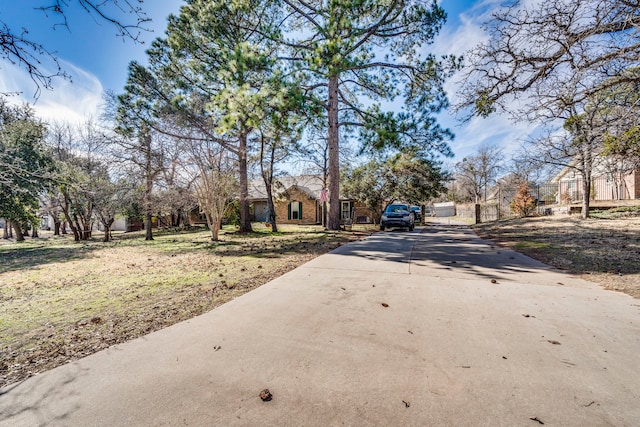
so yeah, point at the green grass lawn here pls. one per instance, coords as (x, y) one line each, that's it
(60, 299)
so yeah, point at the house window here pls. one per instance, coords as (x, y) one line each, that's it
(295, 210)
(345, 210)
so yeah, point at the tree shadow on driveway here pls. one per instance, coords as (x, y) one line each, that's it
(443, 250)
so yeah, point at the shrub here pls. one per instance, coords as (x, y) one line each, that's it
(523, 203)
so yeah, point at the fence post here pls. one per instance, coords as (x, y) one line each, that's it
(499, 201)
(478, 213)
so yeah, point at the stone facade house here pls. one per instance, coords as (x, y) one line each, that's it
(297, 201)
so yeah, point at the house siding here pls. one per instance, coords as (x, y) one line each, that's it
(362, 214)
(603, 187)
(309, 208)
(306, 190)
(196, 218)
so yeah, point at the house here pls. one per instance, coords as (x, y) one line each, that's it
(610, 180)
(297, 201)
(444, 209)
(196, 217)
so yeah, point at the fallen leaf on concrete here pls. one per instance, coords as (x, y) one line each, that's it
(494, 281)
(536, 419)
(266, 395)
(410, 332)
(216, 347)
(554, 342)
(384, 304)
(589, 404)
(465, 366)
(528, 315)
(560, 283)
(406, 404)
(504, 357)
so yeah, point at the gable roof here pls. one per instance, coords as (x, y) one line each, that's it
(309, 184)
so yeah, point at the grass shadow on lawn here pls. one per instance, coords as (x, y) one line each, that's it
(17, 257)
(576, 245)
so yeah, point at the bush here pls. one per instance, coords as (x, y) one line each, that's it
(232, 216)
(523, 203)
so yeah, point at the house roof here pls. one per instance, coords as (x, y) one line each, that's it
(309, 184)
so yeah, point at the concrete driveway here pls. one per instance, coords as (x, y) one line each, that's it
(430, 328)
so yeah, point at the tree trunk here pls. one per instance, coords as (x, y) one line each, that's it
(18, 231)
(271, 209)
(34, 232)
(107, 229)
(245, 219)
(586, 161)
(78, 228)
(267, 176)
(333, 221)
(56, 227)
(5, 234)
(216, 229)
(586, 196)
(148, 222)
(145, 143)
(86, 232)
(214, 226)
(65, 211)
(86, 222)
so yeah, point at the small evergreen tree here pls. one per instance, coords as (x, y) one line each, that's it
(523, 203)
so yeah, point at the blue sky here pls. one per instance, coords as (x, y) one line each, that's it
(97, 60)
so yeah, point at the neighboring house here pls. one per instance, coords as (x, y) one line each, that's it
(196, 217)
(297, 201)
(610, 181)
(119, 224)
(444, 209)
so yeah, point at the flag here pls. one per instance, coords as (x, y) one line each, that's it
(323, 195)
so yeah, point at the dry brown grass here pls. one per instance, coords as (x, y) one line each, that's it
(603, 249)
(61, 300)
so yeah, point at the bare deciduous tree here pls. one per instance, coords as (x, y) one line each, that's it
(475, 173)
(552, 55)
(554, 61)
(214, 181)
(16, 47)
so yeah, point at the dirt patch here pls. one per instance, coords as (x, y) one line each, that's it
(604, 250)
(61, 300)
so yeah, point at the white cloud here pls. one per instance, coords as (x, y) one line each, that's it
(460, 39)
(498, 129)
(71, 101)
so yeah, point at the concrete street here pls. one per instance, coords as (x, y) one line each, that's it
(431, 328)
